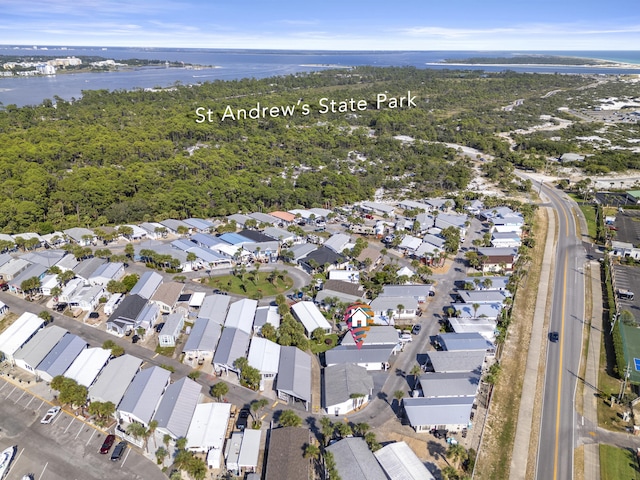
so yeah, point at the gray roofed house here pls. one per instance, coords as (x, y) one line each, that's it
(81, 236)
(60, 358)
(143, 395)
(233, 344)
(173, 225)
(376, 335)
(465, 341)
(241, 314)
(48, 258)
(85, 268)
(114, 379)
(419, 292)
(443, 361)
(448, 413)
(285, 460)
(19, 333)
(29, 356)
(147, 284)
(176, 408)
(354, 460)
(371, 357)
(214, 307)
(166, 296)
(198, 224)
(401, 463)
(495, 282)
(345, 388)
(461, 384)
(445, 220)
(107, 272)
(483, 310)
(153, 230)
(379, 208)
(239, 218)
(202, 340)
(280, 234)
(294, 375)
(13, 268)
(301, 250)
(33, 270)
(205, 240)
(148, 316)
(264, 218)
(382, 305)
(68, 262)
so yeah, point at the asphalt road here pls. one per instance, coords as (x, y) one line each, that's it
(558, 421)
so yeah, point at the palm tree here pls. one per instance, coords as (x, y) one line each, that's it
(457, 453)
(416, 370)
(288, 418)
(326, 428)
(475, 306)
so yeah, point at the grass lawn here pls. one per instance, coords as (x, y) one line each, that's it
(254, 285)
(166, 351)
(618, 463)
(589, 212)
(7, 320)
(323, 346)
(608, 417)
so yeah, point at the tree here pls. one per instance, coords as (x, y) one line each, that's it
(249, 376)
(30, 284)
(288, 418)
(46, 316)
(360, 429)
(161, 454)
(398, 395)
(116, 350)
(258, 405)
(416, 371)
(317, 335)
(268, 331)
(343, 429)
(136, 430)
(372, 443)
(64, 277)
(327, 429)
(457, 453)
(311, 451)
(194, 375)
(129, 250)
(219, 390)
(129, 281)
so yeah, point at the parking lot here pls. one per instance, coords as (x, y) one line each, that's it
(65, 449)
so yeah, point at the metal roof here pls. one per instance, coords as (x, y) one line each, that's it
(341, 381)
(87, 366)
(215, 307)
(175, 411)
(34, 351)
(355, 461)
(337, 242)
(86, 267)
(464, 384)
(456, 361)
(19, 332)
(208, 427)
(250, 448)
(416, 291)
(464, 341)
(205, 239)
(264, 355)
(438, 410)
(466, 310)
(234, 238)
(232, 345)
(264, 218)
(172, 325)
(294, 373)
(198, 223)
(401, 463)
(376, 335)
(278, 233)
(204, 336)
(109, 270)
(114, 379)
(352, 354)
(241, 315)
(483, 296)
(309, 315)
(144, 393)
(61, 356)
(267, 314)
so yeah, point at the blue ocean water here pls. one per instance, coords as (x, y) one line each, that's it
(237, 64)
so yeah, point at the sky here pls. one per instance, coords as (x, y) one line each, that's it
(325, 24)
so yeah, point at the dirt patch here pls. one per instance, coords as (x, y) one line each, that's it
(494, 458)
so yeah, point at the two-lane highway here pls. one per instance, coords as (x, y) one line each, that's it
(555, 449)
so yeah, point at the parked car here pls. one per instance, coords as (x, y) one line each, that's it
(159, 327)
(107, 444)
(4, 286)
(118, 451)
(135, 339)
(243, 419)
(61, 307)
(416, 329)
(50, 415)
(94, 315)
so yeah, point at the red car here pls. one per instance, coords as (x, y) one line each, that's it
(108, 443)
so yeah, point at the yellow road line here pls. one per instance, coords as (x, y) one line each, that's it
(564, 297)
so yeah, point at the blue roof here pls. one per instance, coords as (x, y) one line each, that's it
(234, 238)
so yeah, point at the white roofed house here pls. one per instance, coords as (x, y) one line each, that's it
(199, 225)
(265, 356)
(114, 379)
(438, 413)
(338, 242)
(505, 239)
(143, 395)
(241, 314)
(215, 307)
(138, 233)
(378, 208)
(107, 272)
(264, 315)
(80, 236)
(87, 366)
(409, 244)
(148, 317)
(401, 463)
(345, 388)
(208, 431)
(171, 331)
(87, 297)
(310, 317)
(294, 376)
(85, 268)
(176, 226)
(61, 356)
(153, 230)
(176, 408)
(264, 218)
(19, 333)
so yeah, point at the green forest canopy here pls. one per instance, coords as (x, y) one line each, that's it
(118, 157)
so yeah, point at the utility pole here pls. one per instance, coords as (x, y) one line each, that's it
(627, 374)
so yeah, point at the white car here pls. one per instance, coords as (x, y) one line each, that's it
(50, 415)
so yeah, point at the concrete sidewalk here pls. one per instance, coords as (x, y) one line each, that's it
(590, 390)
(521, 446)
